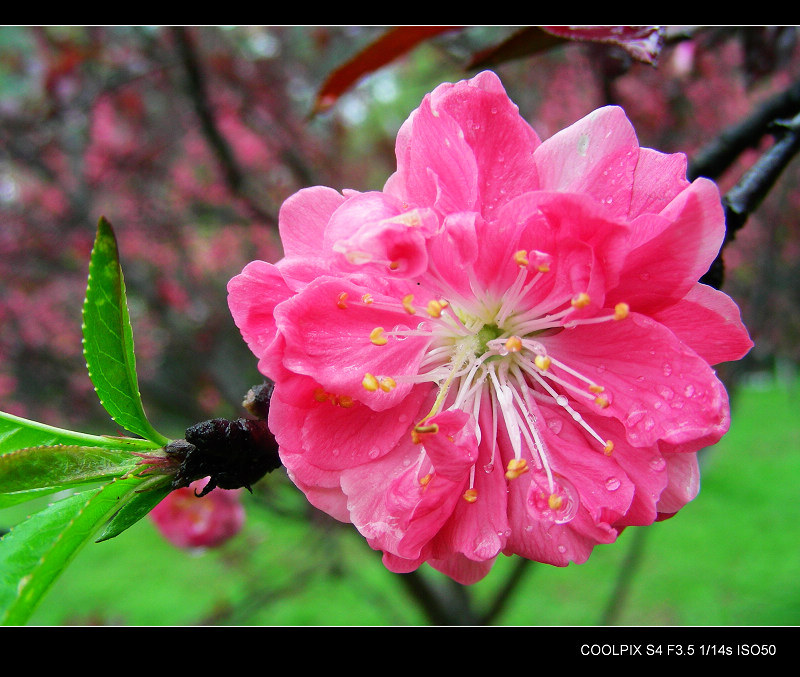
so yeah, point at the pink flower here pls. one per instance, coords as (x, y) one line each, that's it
(187, 521)
(504, 351)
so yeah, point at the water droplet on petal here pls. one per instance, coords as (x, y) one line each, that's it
(488, 467)
(554, 425)
(688, 390)
(400, 327)
(666, 392)
(657, 463)
(558, 505)
(562, 549)
(634, 418)
(613, 483)
(667, 367)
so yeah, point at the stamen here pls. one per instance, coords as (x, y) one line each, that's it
(407, 304)
(555, 501)
(341, 301)
(514, 344)
(516, 467)
(521, 258)
(435, 308)
(581, 300)
(431, 428)
(542, 261)
(367, 298)
(425, 480)
(471, 495)
(377, 337)
(370, 382)
(621, 311)
(387, 384)
(609, 448)
(542, 361)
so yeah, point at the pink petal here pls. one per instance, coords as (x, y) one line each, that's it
(303, 217)
(657, 179)
(332, 344)
(723, 338)
(663, 265)
(658, 388)
(596, 156)
(312, 423)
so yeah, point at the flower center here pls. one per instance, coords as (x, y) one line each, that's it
(493, 353)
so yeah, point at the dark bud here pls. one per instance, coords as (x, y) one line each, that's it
(233, 453)
(257, 399)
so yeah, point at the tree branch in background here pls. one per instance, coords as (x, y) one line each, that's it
(751, 189)
(233, 175)
(505, 593)
(448, 605)
(721, 153)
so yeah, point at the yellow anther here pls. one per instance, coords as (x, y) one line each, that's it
(471, 495)
(521, 258)
(377, 337)
(514, 344)
(581, 300)
(341, 300)
(621, 311)
(516, 467)
(370, 382)
(541, 261)
(601, 402)
(596, 388)
(424, 480)
(394, 265)
(407, 304)
(555, 501)
(431, 428)
(344, 401)
(320, 395)
(542, 361)
(608, 448)
(367, 298)
(434, 308)
(387, 383)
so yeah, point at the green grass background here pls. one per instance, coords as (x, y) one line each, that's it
(732, 557)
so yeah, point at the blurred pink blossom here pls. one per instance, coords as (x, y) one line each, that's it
(190, 522)
(504, 351)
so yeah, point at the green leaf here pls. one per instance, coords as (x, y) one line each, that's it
(60, 466)
(108, 339)
(35, 552)
(20, 433)
(136, 508)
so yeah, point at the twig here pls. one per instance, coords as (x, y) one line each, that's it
(625, 578)
(743, 199)
(717, 156)
(443, 606)
(502, 597)
(196, 87)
